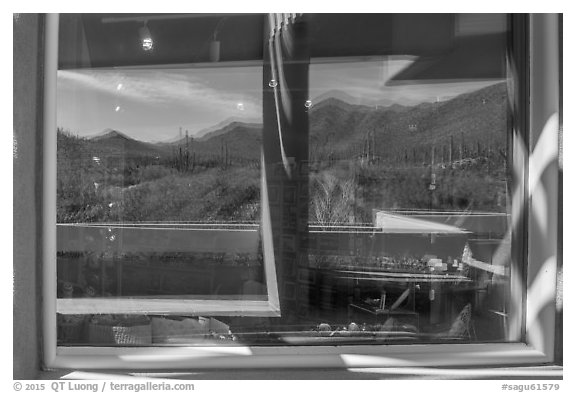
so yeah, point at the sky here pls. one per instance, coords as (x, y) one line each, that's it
(154, 104)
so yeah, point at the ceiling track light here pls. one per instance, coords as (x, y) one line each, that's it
(145, 37)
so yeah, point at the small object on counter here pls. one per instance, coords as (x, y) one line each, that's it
(324, 329)
(90, 292)
(353, 327)
(68, 290)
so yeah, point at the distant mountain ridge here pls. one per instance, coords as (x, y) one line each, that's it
(239, 140)
(114, 142)
(203, 134)
(108, 133)
(337, 126)
(352, 100)
(228, 128)
(476, 117)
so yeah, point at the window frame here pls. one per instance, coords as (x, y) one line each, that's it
(535, 319)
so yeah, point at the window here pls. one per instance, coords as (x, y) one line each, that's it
(139, 216)
(325, 184)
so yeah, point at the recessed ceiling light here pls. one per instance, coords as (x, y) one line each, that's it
(146, 38)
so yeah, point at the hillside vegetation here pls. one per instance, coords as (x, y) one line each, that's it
(441, 156)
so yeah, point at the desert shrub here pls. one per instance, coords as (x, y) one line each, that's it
(332, 199)
(154, 172)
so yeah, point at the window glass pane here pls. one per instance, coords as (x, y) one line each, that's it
(386, 182)
(408, 200)
(158, 185)
(392, 152)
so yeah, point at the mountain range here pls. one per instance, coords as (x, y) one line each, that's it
(476, 117)
(337, 124)
(113, 142)
(350, 99)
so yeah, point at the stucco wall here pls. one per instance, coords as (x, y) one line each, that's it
(27, 194)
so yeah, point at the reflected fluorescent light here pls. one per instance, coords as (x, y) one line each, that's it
(146, 38)
(117, 109)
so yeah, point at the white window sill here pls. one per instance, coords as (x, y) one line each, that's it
(537, 373)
